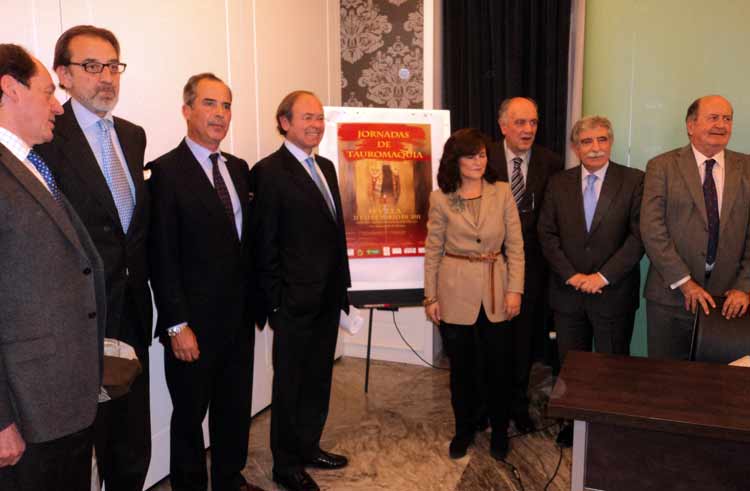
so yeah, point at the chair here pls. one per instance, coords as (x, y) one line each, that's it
(719, 340)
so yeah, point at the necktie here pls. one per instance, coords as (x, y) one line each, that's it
(114, 174)
(316, 178)
(41, 166)
(221, 189)
(517, 186)
(712, 211)
(589, 199)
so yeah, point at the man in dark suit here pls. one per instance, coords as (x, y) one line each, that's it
(527, 167)
(98, 161)
(304, 274)
(203, 286)
(696, 229)
(589, 232)
(52, 298)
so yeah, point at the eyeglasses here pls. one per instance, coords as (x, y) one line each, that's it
(96, 67)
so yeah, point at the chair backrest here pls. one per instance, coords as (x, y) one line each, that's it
(720, 340)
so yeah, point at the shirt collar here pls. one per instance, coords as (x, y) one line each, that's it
(511, 155)
(86, 119)
(700, 159)
(17, 147)
(298, 153)
(599, 173)
(200, 152)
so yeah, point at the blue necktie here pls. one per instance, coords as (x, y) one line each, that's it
(41, 166)
(589, 200)
(712, 211)
(115, 176)
(316, 178)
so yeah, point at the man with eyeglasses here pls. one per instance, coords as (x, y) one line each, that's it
(98, 161)
(696, 229)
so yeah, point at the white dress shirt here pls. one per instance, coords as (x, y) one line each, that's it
(509, 156)
(20, 150)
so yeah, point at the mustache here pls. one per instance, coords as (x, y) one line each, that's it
(595, 154)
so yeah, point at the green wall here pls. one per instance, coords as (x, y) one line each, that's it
(645, 61)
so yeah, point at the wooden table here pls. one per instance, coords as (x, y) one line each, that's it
(643, 424)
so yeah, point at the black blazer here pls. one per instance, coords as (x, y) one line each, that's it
(80, 178)
(200, 269)
(300, 254)
(613, 245)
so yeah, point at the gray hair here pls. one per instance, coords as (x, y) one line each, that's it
(589, 123)
(189, 92)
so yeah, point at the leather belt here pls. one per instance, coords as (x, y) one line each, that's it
(490, 258)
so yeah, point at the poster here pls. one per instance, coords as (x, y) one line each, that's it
(386, 161)
(385, 178)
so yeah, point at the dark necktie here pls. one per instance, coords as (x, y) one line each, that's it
(41, 166)
(712, 211)
(221, 189)
(517, 186)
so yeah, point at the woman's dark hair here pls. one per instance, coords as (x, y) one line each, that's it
(464, 142)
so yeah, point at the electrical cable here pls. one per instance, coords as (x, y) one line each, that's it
(395, 324)
(513, 468)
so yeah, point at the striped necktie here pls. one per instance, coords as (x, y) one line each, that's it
(517, 185)
(221, 189)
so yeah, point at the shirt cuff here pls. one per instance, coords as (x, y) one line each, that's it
(606, 281)
(181, 324)
(679, 283)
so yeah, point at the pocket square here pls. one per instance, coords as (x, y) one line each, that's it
(146, 174)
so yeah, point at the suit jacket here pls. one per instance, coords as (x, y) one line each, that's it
(675, 227)
(461, 286)
(201, 270)
(542, 165)
(80, 178)
(52, 310)
(612, 247)
(300, 253)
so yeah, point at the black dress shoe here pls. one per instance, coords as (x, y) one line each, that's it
(460, 444)
(523, 422)
(295, 481)
(499, 445)
(328, 460)
(565, 437)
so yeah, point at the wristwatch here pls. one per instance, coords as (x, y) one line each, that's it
(175, 330)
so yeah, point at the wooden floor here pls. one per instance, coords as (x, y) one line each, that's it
(396, 437)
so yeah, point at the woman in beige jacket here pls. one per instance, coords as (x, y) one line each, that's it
(474, 268)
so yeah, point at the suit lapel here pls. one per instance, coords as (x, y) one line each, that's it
(502, 170)
(689, 170)
(610, 188)
(534, 174)
(198, 182)
(488, 197)
(241, 187)
(575, 191)
(302, 179)
(42, 196)
(333, 186)
(81, 158)
(732, 178)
